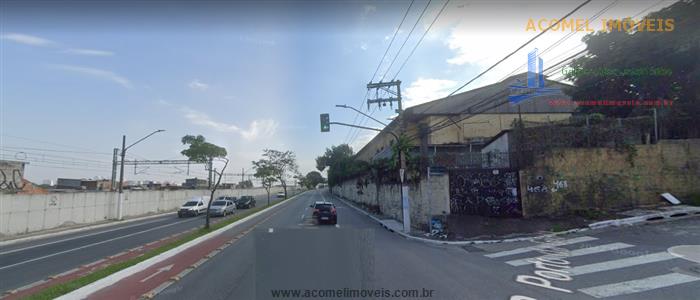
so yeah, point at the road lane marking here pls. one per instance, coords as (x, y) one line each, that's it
(160, 270)
(621, 263)
(76, 237)
(90, 245)
(578, 252)
(270, 230)
(534, 248)
(639, 285)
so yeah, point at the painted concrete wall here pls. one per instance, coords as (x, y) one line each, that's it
(605, 179)
(427, 198)
(21, 214)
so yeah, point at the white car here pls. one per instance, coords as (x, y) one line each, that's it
(194, 207)
(280, 195)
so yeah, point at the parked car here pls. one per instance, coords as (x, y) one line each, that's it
(324, 212)
(245, 202)
(280, 195)
(222, 207)
(194, 207)
(228, 198)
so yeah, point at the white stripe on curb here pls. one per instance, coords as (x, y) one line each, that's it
(85, 291)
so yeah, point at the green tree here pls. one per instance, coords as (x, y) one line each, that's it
(340, 163)
(266, 172)
(279, 164)
(200, 150)
(673, 52)
(311, 179)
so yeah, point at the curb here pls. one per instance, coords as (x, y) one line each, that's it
(598, 225)
(91, 288)
(79, 229)
(659, 216)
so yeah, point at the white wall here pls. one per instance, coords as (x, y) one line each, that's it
(427, 198)
(21, 214)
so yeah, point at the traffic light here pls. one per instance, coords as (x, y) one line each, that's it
(325, 123)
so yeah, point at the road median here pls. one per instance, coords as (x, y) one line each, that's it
(80, 288)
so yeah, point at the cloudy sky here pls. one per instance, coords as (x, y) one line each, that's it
(75, 76)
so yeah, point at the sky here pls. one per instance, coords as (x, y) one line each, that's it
(76, 76)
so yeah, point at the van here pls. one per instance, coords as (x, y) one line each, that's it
(193, 207)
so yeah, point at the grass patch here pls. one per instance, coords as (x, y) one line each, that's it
(558, 228)
(693, 199)
(67, 287)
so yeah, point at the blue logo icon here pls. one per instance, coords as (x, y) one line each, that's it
(535, 81)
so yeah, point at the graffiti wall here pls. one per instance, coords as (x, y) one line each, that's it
(486, 192)
(11, 175)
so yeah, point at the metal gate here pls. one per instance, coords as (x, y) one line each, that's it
(485, 192)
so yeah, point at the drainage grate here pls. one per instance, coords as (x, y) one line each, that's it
(655, 218)
(679, 215)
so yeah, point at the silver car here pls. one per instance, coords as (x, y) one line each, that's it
(222, 208)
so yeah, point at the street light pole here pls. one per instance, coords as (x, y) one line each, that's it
(121, 171)
(359, 112)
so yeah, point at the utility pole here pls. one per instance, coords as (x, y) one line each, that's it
(121, 172)
(656, 128)
(121, 180)
(387, 87)
(210, 170)
(113, 182)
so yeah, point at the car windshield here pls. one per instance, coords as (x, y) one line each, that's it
(219, 203)
(190, 203)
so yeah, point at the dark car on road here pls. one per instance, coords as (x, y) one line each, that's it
(324, 212)
(245, 202)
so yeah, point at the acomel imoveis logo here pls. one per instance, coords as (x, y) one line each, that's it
(535, 82)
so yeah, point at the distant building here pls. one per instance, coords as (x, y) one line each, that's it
(96, 185)
(195, 183)
(68, 183)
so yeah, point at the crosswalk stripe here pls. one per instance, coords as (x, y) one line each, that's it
(533, 248)
(578, 252)
(640, 285)
(620, 263)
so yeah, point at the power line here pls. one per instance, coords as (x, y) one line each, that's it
(444, 123)
(392, 40)
(519, 48)
(493, 66)
(353, 131)
(421, 39)
(406, 40)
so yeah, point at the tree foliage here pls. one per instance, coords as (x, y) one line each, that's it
(675, 50)
(245, 184)
(279, 165)
(311, 180)
(200, 150)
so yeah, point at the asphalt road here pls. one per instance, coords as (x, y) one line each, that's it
(27, 262)
(289, 251)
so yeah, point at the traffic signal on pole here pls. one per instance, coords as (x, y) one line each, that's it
(325, 123)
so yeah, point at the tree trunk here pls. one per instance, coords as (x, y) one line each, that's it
(268, 197)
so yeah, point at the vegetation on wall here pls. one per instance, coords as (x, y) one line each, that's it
(641, 50)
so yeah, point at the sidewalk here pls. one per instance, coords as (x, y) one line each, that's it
(478, 230)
